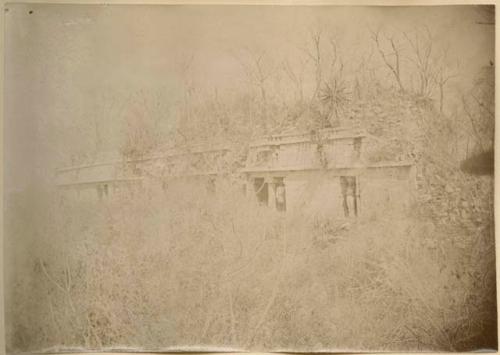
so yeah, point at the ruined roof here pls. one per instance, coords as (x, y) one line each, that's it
(193, 160)
(326, 148)
(332, 148)
(103, 172)
(322, 135)
(198, 148)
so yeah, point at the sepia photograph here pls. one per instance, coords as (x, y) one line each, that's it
(234, 178)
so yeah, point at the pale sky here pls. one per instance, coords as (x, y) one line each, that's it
(61, 60)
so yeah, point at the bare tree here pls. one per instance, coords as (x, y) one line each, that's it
(364, 71)
(296, 76)
(421, 44)
(314, 54)
(478, 106)
(443, 76)
(257, 70)
(144, 118)
(391, 57)
(474, 124)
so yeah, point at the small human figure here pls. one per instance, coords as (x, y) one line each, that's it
(348, 188)
(280, 198)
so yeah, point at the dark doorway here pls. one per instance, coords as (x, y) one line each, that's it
(261, 192)
(349, 195)
(211, 186)
(280, 194)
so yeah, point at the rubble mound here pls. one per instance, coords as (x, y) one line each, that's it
(411, 129)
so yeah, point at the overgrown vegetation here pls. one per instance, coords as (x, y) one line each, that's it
(181, 268)
(193, 270)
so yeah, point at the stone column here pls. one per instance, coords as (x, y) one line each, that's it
(271, 193)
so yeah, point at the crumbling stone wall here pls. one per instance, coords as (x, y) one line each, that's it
(412, 129)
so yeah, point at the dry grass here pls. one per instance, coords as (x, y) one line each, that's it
(181, 268)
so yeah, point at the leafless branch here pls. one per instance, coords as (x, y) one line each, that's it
(394, 67)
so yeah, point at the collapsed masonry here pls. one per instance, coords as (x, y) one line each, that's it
(325, 172)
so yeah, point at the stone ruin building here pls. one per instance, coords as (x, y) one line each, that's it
(325, 172)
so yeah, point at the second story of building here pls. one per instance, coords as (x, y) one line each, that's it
(323, 149)
(333, 148)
